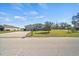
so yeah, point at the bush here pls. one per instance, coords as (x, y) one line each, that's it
(7, 30)
(73, 29)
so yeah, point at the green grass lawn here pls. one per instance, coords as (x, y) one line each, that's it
(53, 33)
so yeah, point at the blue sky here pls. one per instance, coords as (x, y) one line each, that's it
(29, 13)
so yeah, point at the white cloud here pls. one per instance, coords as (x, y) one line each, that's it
(43, 5)
(20, 17)
(33, 12)
(40, 17)
(4, 14)
(25, 13)
(17, 6)
(7, 19)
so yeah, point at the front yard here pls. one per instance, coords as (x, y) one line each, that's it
(53, 33)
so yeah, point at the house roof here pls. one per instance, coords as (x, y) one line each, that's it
(9, 26)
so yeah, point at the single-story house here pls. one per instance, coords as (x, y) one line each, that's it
(10, 28)
(34, 27)
(77, 26)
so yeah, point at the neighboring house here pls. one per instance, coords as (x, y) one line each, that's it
(34, 27)
(10, 28)
(28, 27)
(77, 26)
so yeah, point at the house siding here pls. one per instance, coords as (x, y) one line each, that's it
(77, 26)
(11, 29)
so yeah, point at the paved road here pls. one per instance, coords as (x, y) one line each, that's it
(39, 46)
(13, 34)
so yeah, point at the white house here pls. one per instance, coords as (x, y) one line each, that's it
(10, 28)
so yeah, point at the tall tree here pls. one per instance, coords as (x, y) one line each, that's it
(63, 25)
(48, 26)
(75, 21)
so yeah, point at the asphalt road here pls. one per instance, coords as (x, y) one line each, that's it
(39, 46)
(18, 34)
(13, 44)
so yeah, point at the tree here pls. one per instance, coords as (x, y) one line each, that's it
(75, 21)
(38, 26)
(48, 26)
(56, 26)
(29, 27)
(63, 25)
(35, 27)
(68, 28)
(1, 28)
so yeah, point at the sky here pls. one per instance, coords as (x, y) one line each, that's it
(21, 14)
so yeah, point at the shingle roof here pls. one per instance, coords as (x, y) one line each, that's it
(9, 26)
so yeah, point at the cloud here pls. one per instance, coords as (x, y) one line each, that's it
(17, 17)
(7, 19)
(40, 17)
(43, 5)
(20, 17)
(4, 14)
(17, 6)
(33, 12)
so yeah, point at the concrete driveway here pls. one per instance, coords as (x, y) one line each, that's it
(39, 46)
(18, 34)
